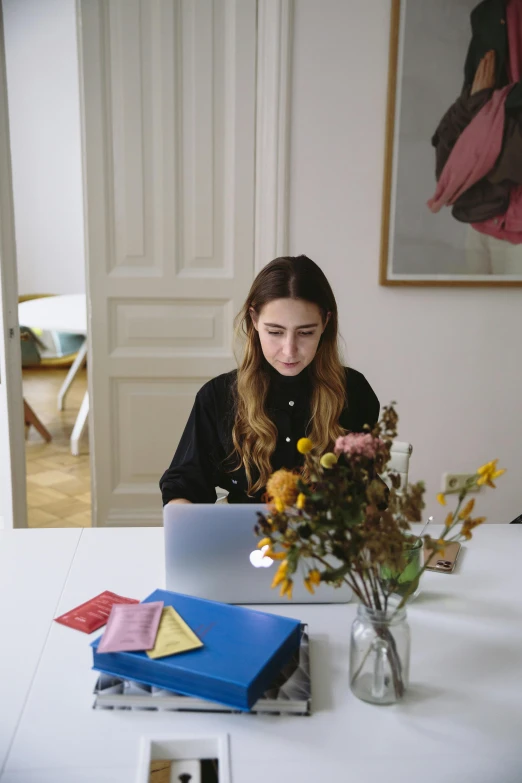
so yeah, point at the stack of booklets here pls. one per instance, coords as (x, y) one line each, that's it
(243, 653)
(289, 694)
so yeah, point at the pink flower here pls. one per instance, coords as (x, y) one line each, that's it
(358, 444)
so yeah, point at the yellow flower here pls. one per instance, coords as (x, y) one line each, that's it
(286, 588)
(304, 445)
(468, 526)
(280, 573)
(314, 576)
(328, 460)
(449, 520)
(309, 585)
(282, 488)
(263, 542)
(441, 498)
(468, 508)
(274, 555)
(488, 472)
(301, 500)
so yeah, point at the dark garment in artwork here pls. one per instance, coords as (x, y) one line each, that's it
(200, 462)
(489, 197)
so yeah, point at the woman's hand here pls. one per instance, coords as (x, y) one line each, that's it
(179, 500)
(485, 75)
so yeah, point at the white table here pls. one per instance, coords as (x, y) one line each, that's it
(33, 568)
(67, 313)
(460, 721)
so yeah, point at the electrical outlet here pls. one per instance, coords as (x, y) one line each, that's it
(456, 482)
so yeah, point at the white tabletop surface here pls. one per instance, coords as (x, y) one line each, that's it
(66, 313)
(461, 720)
(33, 569)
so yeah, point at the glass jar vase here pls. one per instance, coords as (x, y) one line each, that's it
(380, 654)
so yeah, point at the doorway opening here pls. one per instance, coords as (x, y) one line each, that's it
(41, 53)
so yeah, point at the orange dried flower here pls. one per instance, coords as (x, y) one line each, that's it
(282, 486)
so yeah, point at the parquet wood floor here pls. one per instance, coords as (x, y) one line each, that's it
(58, 484)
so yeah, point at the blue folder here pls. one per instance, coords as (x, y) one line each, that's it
(244, 650)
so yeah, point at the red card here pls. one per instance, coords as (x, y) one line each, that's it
(91, 615)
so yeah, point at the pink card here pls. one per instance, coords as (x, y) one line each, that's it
(131, 627)
(91, 615)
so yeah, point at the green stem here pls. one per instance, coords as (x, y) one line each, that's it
(375, 590)
(365, 587)
(363, 580)
(353, 585)
(414, 584)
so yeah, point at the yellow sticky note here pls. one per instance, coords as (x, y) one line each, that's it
(174, 635)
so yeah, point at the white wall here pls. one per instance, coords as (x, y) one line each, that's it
(43, 95)
(450, 357)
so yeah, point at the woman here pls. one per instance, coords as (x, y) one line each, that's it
(290, 383)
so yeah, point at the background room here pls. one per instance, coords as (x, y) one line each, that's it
(44, 116)
(163, 291)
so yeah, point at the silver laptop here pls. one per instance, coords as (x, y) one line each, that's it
(211, 552)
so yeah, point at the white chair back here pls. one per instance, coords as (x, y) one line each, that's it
(399, 463)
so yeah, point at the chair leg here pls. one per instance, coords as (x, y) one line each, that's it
(31, 418)
(79, 425)
(74, 369)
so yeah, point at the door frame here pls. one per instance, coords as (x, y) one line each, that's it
(13, 501)
(275, 27)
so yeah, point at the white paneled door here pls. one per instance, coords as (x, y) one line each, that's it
(12, 442)
(168, 113)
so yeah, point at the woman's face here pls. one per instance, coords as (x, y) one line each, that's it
(289, 333)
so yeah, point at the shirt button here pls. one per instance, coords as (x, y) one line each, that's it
(291, 402)
(288, 440)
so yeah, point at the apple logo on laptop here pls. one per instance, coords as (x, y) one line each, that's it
(258, 559)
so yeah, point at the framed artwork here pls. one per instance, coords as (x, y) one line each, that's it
(452, 197)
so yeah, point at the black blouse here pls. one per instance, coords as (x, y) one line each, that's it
(198, 465)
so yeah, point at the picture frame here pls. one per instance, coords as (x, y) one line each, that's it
(428, 52)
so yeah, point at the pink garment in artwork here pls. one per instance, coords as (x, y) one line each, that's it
(474, 153)
(509, 225)
(479, 146)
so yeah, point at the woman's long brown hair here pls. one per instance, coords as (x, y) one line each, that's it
(254, 435)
